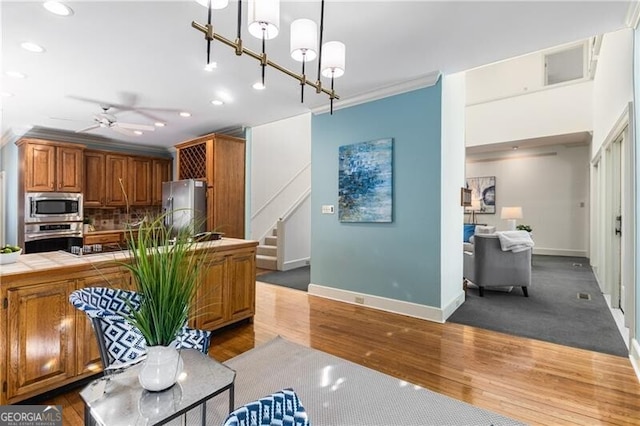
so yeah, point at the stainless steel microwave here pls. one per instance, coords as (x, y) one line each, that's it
(52, 207)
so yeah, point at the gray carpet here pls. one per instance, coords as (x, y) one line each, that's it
(298, 278)
(552, 312)
(335, 391)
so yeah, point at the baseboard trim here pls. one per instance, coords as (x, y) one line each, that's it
(383, 303)
(559, 252)
(298, 263)
(634, 357)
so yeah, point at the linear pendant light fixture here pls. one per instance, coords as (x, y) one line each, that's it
(264, 23)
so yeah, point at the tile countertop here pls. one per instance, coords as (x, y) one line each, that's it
(40, 262)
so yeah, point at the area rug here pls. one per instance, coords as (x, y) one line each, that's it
(553, 312)
(335, 391)
(298, 278)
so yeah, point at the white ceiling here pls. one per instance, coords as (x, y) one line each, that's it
(146, 55)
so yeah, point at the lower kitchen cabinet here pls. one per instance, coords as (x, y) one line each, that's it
(41, 338)
(46, 343)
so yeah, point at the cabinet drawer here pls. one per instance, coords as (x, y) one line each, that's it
(115, 237)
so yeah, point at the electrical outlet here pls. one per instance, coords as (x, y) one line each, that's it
(359, 299)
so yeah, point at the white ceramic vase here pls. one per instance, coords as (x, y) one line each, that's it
(161, 369)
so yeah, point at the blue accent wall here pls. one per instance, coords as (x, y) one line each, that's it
(398, 260)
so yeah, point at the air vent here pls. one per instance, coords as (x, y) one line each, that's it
(584, 296)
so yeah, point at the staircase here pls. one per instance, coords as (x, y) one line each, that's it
(267, 254)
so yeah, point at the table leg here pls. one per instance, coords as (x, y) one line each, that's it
(204, 413)
(231, 397)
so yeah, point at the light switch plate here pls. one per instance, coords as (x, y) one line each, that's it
(327, 209)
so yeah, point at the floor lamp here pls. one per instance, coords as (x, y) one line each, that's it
(511, 214)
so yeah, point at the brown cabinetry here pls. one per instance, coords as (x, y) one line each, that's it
(220, 160)
(161, 173)
(227, 292)
(46, 343)
(51, 166)
(40, 337)
(110, 175)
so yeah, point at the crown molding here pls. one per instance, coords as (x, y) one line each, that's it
(426, 80)
(632, 18)
(91, 141)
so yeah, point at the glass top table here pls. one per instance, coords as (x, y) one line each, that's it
(119, 399)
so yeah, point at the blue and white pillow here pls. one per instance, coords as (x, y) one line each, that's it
(282, 408)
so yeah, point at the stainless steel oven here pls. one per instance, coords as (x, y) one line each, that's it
(52, 207)
(53, 236)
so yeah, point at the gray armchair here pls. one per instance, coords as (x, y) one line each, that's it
(489, 266)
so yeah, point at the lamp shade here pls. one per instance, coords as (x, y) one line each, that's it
(304, 40)
(511, 213)
(215, 4)
(333, 59)
(264, 18)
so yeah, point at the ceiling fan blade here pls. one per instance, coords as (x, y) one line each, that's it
(86, 129)
(123, 131)
(132, 126)
(64, 119)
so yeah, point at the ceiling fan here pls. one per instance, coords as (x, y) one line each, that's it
(106, 120)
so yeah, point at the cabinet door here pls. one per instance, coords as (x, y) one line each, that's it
(39, 168)
(161, 173)
(241, 296)
(41, 337)
(116, 173)
(140, 181)
(226, 206)
(94, 179)
(210, 303)
(88, 354)
(69, 175)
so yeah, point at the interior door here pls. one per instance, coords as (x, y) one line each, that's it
(617, 171)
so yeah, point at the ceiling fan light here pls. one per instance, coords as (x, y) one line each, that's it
(58, 8)
(264, 18)
(333, 59)
(215, 4)
(304, 39)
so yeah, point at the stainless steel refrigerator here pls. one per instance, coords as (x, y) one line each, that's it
(184, 202)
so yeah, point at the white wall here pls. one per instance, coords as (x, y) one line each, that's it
(613, 83)
(297, 244)
(280, 170)
(552, 186)
(452, 172)
(566, 109)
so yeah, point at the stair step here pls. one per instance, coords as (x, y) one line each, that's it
(268, 250)
(266, 262)
(274, 232)
(270, 241)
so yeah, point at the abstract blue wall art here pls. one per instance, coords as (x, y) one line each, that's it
(365, 181)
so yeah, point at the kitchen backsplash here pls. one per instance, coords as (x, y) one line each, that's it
(106, 219)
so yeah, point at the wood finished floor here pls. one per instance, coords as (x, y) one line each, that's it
(529, 380)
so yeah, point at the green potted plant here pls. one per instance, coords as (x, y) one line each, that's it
(524, 228)
(165, 267)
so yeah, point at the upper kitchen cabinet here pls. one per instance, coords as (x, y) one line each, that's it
(51, 166)
(161, 173)
(220, 160)
(107, 175)
(113, 179)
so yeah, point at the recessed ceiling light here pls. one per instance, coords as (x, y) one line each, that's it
(185, 114)
(137, 132)
(58, 8)
(159, 124)
(217, 102)
(515, 148)
(211, 66)
(32, 47)
(258, 86)
(15, 74)
(6, 94)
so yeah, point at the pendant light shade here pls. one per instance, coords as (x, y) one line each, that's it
(215, 4)
(304, 40)
(264, 18)
(333, 59)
